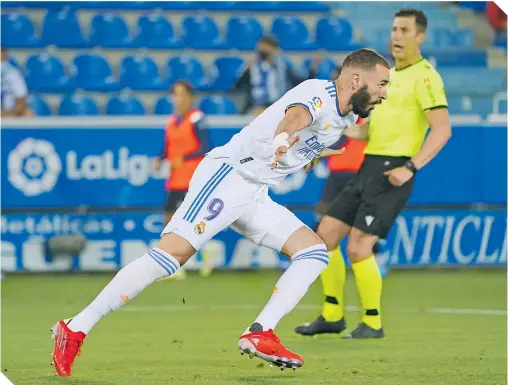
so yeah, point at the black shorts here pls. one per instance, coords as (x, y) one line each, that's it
(174, 200)
(369, 201)
(333, 187)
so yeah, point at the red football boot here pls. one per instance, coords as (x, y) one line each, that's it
(266, 345)
(67, 347)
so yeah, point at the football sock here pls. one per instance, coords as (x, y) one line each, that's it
(369, 284)
(127, 284)
(305, 268)
(333, 279)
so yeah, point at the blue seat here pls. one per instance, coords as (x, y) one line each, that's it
(225, 71)
(155, 31)
(93, 73)
(445, 38)
(38, 105)
(324, 69)
(201, 32)
(18, 31)
(140, 72)
(465, 105)
(218, 105)
(109, 30)
(124, 104)
(164, 106)
(292, 33)
(62, 28)
(77, 104)
(46, 73)
(187, 68)
(333, 33)
(457, 57)
(243, 32)
(458, 81)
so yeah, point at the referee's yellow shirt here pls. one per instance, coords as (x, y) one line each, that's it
(398, 126)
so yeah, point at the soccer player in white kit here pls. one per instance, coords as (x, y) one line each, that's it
(230, 188)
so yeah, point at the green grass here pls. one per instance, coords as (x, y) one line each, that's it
(163, 341)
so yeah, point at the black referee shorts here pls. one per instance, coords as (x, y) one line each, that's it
(174, 200)
(333, 187)
(369, 201)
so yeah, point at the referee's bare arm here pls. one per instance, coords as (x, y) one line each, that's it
(440, 133)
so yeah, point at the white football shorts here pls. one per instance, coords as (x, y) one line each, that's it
(219, 197)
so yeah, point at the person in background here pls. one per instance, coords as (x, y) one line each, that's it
(14, 91)
(267, 78)
(185, 145)
(497, 19)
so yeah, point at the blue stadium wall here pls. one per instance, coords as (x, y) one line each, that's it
(54, 169)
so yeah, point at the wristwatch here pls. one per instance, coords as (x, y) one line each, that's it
(411, 166)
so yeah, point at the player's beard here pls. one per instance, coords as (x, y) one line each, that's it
(360, 101)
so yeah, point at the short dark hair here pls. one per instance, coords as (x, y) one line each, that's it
(364, 58)
(270, 40)
(420, 18)
(185, 84)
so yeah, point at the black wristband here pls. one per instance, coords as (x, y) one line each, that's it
(411, 166)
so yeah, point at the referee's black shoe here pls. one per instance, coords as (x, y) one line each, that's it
(364, 331)
(320, 326)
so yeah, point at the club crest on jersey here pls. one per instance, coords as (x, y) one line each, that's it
(200, 228)
(316, 103)
(327, 126)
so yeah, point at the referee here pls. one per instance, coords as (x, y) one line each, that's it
(397, 147)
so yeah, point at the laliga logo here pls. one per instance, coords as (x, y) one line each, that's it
(34, 166)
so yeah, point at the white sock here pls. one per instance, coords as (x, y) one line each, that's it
(127, 284)
(305, 268)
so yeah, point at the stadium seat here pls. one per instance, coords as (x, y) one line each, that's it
(292, 33)
(274, 6)
(446, 38)
(109, 30)
(201, 32)
(324, 69)
(186, 68)
(18, 31)
(46, 73)
(62, 28)
(218, 105)
(93, 73)
(164, 106)
(333, 33)
(457, 81)
(466, 105)
(225, 71)
(155, 31)
(124, 104)
(140, 72)
(243, 32)
(77, 104)
(38, 105)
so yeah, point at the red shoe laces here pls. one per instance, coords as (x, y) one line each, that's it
(73, 347)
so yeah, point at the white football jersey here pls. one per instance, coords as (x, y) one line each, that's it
(250, 151)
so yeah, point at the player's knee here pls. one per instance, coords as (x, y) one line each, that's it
(328, 234)
(176, 246)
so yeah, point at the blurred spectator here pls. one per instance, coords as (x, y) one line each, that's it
(267, 78)
(185, 145)
(497, 18)
(316, 61)
(14, 91)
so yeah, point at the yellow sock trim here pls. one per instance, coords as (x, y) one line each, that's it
(333, 279)
(369, 284)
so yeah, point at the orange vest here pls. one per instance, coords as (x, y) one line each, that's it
(352, 158)
(182, 140)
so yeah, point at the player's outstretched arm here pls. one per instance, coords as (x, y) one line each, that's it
(295, 119)
(358, 131)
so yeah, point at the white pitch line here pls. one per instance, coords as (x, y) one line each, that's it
(436, 310)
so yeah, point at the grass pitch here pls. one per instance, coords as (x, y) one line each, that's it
(158, 339)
